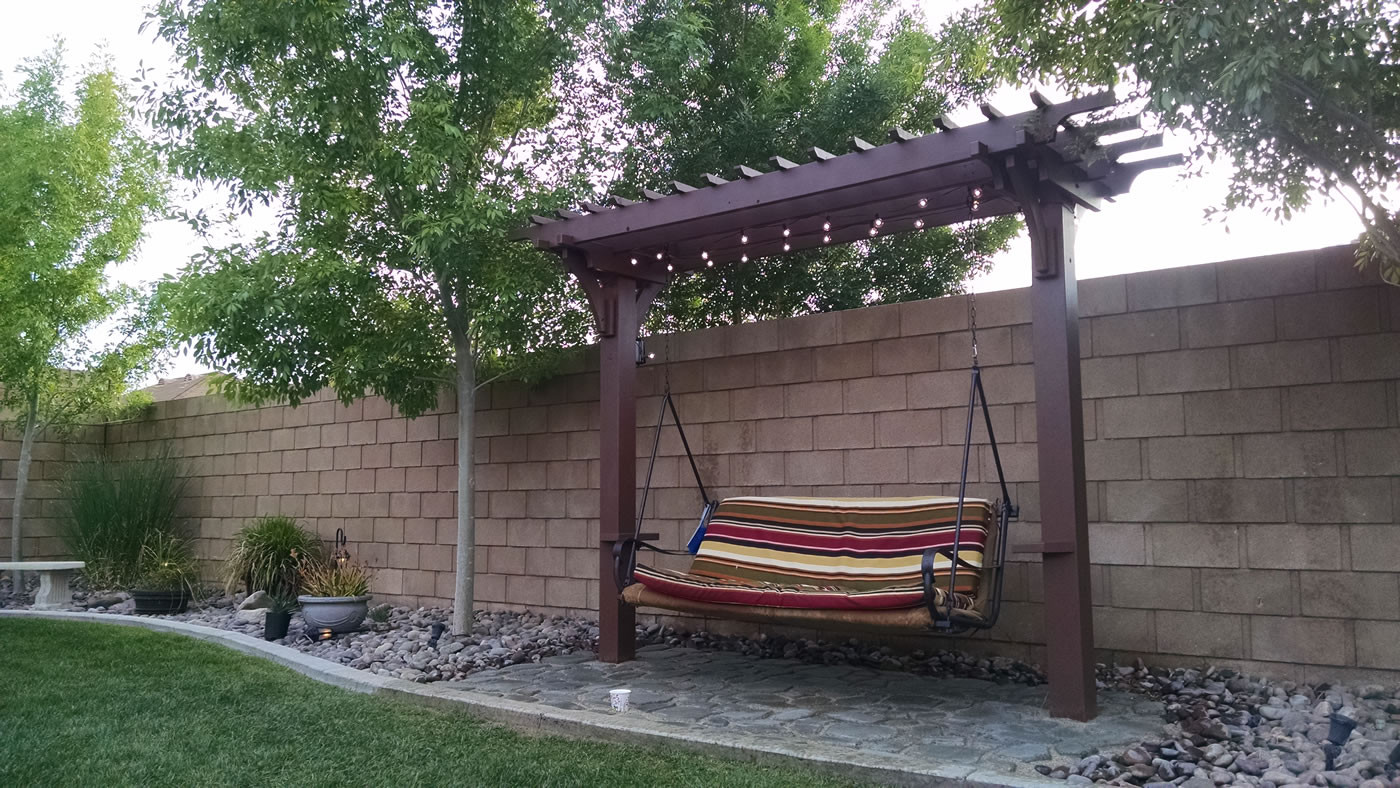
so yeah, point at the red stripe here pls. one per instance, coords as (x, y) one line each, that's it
(778, 597)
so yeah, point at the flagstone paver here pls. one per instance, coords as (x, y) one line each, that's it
(965, 721)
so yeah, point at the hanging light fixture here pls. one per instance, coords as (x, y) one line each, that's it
(743, 258)
(704, 255)
(709, 263)
(786, 231)
(923, 202)
(634, 261)
(787, 247)
(743, 238)
(879, 222)
(826, 225)
(919, 224)
(670, 267)
(826, 239)
(660, 255)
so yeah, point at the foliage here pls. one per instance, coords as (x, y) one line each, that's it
(1302, 98)
(267, 554)
(280, 603)
(77, 184)
(167, 563)
(113, 509)
(335, 578)
(379, 614)
(107, 705)
(399, 142)
(704, 87)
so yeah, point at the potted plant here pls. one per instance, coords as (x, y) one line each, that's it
(279, 616)
(166, 577)
(267, 556)
(335, 595)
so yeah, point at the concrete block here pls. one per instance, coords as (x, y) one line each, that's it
(1111, 376)
(1137, 332)
(1235, 411)
(1140, 417)
(1118, 543)
(875, 394)
(1294, 546)
(938, 389)
(1230, 323)
(1290, 454)
(1373, 357)
(815, 467)
(763, 469)
(808, 399)
(761, 337)
(1169, 287)
(1375, 644)
(1266, 276)
(764, 402)
(1152, 587)
(1146, 501)
(845, 361)
(1282, 364)
(933, 316)
(1107, 295)
(906, 354)
(1184, 370)
(1362, 500)
(1255, 591)
(909, 428)
(938, 464)
(1238, 501)
(872, 322)
(1329, 314)
(1200, 634)
(853, 431)
(1337, 406)
(1309, 641)
(793, 434)
(1122, 629)
(1191, 457)
(1194, 544)
(995, 347)
(1112, 460)
(1351, 595)
(1373, 452)
(874, 466)
(730, 373)
(809, 330)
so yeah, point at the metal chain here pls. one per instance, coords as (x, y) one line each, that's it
(670, 329)
(972, 320)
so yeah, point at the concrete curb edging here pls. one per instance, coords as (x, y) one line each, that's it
(886, 768)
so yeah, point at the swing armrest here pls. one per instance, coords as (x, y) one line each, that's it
(625, 556)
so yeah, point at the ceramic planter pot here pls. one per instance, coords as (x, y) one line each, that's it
(336, 613)
(275, 624)
(160, 603)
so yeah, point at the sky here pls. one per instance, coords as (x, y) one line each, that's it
(1160, 224)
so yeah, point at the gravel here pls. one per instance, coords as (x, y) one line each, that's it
(1220, 727)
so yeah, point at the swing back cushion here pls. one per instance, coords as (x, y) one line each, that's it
(829, 553)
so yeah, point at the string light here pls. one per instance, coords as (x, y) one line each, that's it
(787, 247)
(879, 222)
(919, 224)
(977, 192)
(660, 255)
(786, 231)
(634, 261)
(873, 231)
(826, 226)
(709, 263)
(743, 258)
(923, 202)
(743, 238)
(704, 255)
(826, 239)
(670, 267)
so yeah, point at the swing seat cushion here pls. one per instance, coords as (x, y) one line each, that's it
(829, 553)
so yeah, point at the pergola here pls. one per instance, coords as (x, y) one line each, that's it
(1040, 163)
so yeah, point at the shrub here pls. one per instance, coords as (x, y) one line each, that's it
(167, 563)
(115, 508)
(267, 555)
(335, 578)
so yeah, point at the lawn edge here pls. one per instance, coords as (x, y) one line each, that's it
(886, 768)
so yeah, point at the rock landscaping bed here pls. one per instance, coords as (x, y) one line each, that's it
(1219, 727)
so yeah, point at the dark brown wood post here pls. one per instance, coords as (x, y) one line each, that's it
(617, 450)
(1064, 523)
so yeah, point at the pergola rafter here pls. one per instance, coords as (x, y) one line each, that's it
(1041, 163)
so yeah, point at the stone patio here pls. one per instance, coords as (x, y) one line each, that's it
(920, 721)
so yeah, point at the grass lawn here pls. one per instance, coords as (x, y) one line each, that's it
(100, 705)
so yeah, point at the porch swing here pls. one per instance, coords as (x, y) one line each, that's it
(923, 564)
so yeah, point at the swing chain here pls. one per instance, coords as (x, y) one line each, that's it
(972, 320)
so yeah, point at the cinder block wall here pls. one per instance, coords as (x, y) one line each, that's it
(54, 453)
(1242, 431)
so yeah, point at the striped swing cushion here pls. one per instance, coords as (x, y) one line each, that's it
(828, 553)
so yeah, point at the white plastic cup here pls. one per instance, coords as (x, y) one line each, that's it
(620, 699)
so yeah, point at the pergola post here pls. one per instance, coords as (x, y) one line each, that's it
(1064, 524)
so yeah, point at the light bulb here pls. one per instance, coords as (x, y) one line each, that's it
(879, 222)
(743, 258)
(786, 231)
(923, 202)
(743, 238)
(670, 267)
(826, 226)
(977, 192)
(826, 239)
(873, 231)
(634, 261)
(704, 255)
(659, 255)
(976, 205)
(787, 247)
(919, 223)
(709, 263)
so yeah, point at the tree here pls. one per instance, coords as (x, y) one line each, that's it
(707, 86)
(77, 184)
(1302, 98)
(399, 142)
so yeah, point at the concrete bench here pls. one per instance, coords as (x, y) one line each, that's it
(53, 581)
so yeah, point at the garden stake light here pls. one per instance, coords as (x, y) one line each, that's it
(1337, 734)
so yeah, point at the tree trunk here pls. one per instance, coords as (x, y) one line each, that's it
(464, 594)
(26, 458)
